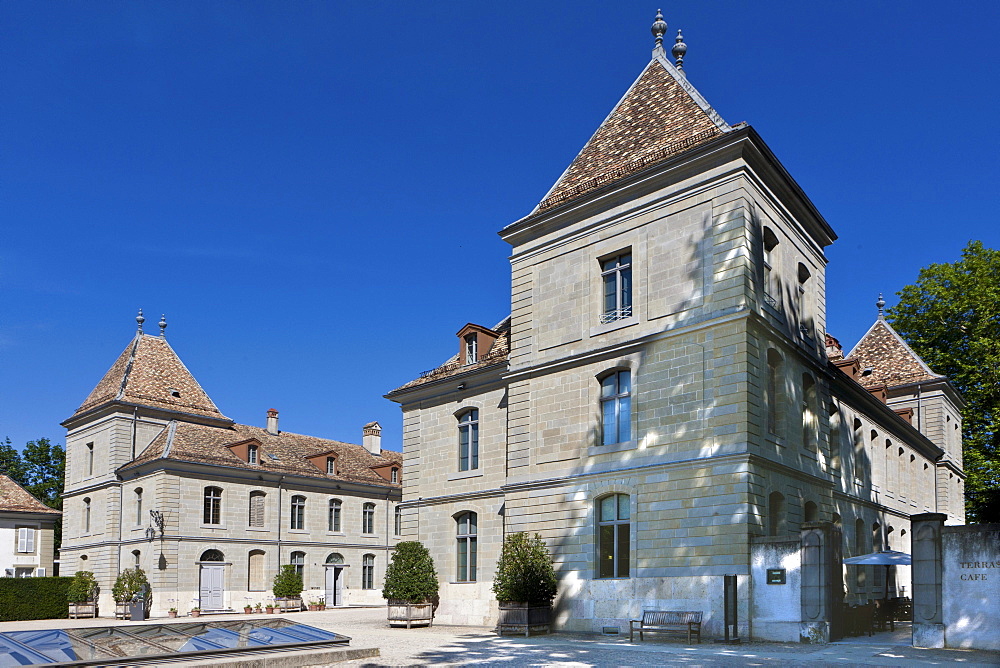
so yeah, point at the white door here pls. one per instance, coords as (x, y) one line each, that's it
(211, 587)
(334, 585)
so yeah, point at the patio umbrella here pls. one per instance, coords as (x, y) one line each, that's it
(885, 558)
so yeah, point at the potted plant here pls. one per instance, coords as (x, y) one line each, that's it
(411, 585)
(129, 584)
(313, 606)
(525, 584)
(172, 612)
(247, 609)
(256, 608)
(196, 611)
(82, 595)
(287, 589)
(270, 608)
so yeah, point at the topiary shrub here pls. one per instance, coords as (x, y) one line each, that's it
(524, 571)
(34, 598)
(287, 583)
(128, 583)
(83, 588)
(410, 576)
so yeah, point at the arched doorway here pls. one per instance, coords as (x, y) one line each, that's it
(211, 580)
(335, 579)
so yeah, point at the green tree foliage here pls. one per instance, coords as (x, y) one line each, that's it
(524, 571)
(128, 583)
(10, 462)
(83, 588)
(411, 576)
(40, 469)
(287, 583)
(951, 318)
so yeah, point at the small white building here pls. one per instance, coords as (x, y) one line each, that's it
(26, 527)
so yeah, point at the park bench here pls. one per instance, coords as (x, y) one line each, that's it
(667, 621)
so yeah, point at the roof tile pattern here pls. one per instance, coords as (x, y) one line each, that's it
(14, 498)
(892, 362)
(495, 355)
(279, 453)
(655, 120)
(149, 373)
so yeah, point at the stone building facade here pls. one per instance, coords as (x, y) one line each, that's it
(157, 476)
(26, 532)
(663, 390)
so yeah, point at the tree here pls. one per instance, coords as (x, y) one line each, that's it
(45, 466)
(524, 571)
(10, 462)
(411, 576)
(287, 582)
(951, 318)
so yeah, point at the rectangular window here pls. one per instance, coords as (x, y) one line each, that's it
(252, 455)
(616, 407)
(368, 518)
(398, 522)
(467, 547)
(298, 516)
(368, 571)
(616, 275)
(257, 581)
(25, 540)
(256, 509)
(213, 506)
(334, 517)
(468, 441)
(613, 535)
(471, 348)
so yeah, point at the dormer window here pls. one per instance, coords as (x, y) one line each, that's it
(252, 454)
(394, 476)
(331, 466)
(471, 348)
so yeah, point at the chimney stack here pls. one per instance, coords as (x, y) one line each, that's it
(372, 438)
(272, 421)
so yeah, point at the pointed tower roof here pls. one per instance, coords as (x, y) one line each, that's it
(889, 357)
(660, 116)
(149, 373)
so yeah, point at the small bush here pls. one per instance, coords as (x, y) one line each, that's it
(83, 588)
(128, 583)
(410, 576)
(287, 583)
(524, 571)
(34, 598)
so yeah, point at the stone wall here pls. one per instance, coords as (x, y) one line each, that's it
(970, 586)
(775, 608)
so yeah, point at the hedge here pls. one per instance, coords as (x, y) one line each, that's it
(33, 598)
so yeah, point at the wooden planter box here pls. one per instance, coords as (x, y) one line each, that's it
(78, 610)
(288, 604)
(524, 618)
(402, 613)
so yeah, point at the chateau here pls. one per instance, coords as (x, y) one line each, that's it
(664, 397)
(158, 477)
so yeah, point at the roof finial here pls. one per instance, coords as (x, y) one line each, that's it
(659, 27)
(881, 305)
(139, 319)
(163, 325)
(678, 51)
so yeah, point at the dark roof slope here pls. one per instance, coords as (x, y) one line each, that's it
(891, 360)
(149, 373)
(14, 498)
(279, 453)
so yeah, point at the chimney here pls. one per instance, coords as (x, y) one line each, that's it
(372, 438)
(272, 421)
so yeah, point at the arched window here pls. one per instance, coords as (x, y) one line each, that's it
(368, 518)
(613, 536)
(256, 515)
(811, 512)
(397, 521)
(255, 571)
(333, 518)
(213, 506)
(859, 549)
(138, 506)
(212, 555)
(136, 558)
(368, 571)
(298, 559)
(877, 544)
(776, 521)
(467, 549)
(298, 512)
(772, 390)
(334, 558)
(90, 459)
(86, 515)
(836, 447)
(805, 314)
(616, 407)
(810, 422)
(770, 287)
(468, 440)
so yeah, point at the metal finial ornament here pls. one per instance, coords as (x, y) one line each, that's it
(163, 325)
(880, 304)
(658, 29)
(139, 319)
(678, 50)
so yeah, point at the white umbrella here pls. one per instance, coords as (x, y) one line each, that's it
(882, 558)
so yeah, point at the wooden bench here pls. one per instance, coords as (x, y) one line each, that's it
(667, 621)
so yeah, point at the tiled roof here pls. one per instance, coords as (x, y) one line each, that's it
(149, 373)
(14, 498)
(891, 360)
(454, 366)
(281, 453)
(660, 116)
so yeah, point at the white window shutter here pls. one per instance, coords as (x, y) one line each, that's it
(39, 572)
(30, 540)
(22, 540)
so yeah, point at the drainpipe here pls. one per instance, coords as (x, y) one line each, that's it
(280, 480)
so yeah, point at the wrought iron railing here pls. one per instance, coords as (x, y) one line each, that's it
(616, 314)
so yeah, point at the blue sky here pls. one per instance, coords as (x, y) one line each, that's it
(311, 191)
